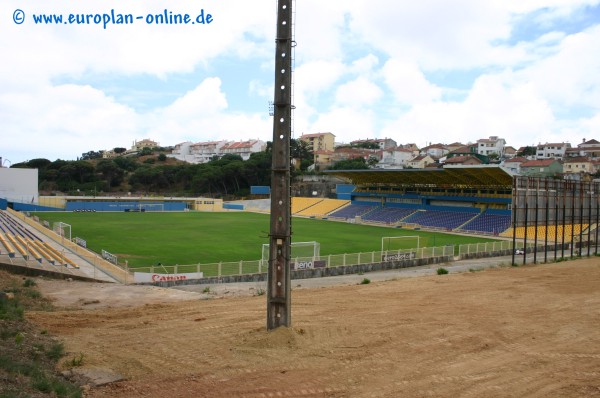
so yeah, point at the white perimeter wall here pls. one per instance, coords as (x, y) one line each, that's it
(19, 185)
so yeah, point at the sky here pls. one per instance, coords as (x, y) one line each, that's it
(428, 71)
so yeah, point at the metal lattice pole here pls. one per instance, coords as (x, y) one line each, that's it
(279, 273)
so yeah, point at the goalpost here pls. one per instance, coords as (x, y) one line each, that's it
(399, 242)
(301, 250)
(151, 207)
(62, 229)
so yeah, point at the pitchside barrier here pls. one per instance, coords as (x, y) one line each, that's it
(339, 260)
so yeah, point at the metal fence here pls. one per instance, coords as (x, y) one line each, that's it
(332, 260)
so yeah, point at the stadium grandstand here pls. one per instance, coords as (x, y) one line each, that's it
(476, 200)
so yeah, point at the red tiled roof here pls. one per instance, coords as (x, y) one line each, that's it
(577, 159)
(462, 159)
(538, 163)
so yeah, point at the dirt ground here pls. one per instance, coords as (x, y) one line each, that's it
(529, 331)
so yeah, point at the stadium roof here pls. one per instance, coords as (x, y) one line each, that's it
(488, 176)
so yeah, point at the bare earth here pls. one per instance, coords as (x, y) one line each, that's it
(530, 331)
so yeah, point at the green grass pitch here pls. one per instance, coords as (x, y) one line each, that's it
(145, 239)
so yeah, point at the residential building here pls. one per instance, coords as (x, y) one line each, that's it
(203, 152)
(322, 158)
(465, 160)
(509, 152)
(243, 148)
(145, 143)
(454, 146)
(579, 164)
(513, 165)
(319, 141)
(552, 150)
(420, 162)
(206, 151)
(589, 148)
(396, 158)
(491, 146)
(541, 168)
(466, 150)
(411, 146)
(436, 151)
(109, 154)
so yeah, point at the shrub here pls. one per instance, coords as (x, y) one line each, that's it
(442, 271)
(365, 281)
(29, 282)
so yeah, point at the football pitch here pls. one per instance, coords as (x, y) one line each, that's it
(184, 238)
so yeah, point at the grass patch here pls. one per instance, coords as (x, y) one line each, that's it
(149, 238)
(365, 281)
(28, 357)
(442, 271)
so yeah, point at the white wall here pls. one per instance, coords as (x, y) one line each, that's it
(19, 185)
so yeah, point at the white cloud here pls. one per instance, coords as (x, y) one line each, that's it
(354, 125)
(408, 84)
(64, 119)
(359, 92)
(571, 76)
(362, 70)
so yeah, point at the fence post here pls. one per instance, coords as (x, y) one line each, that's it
(175, 268)
(241, 267)
(372, 257)
(328, 261)
(344, 261)
(219, 268)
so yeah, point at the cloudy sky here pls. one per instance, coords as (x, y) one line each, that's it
(428, 71)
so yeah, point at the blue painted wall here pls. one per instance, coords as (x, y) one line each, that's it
(123, 206)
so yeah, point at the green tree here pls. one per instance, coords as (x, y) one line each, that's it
(112, 174)
(350, 164)
(91, 155)
(528, 151)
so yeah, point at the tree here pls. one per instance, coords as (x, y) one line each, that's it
(350, 164)
(528, 151)
(119, 150)
(111, 172)
(91, 155)
(162, 157)
(125, 163)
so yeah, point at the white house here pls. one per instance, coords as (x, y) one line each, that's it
(396, 158)
(492, 145)
(552, 150)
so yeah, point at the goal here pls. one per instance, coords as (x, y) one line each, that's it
(400, 242)
(301, 250)
(151, 207)
(62, 229)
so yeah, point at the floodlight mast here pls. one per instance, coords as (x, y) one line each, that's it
(279, 273)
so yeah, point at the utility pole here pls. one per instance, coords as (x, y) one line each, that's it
(279, 273)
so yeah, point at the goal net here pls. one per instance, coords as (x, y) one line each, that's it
(151, 207)
(301, 250)
(389, 243)
(62, 229)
